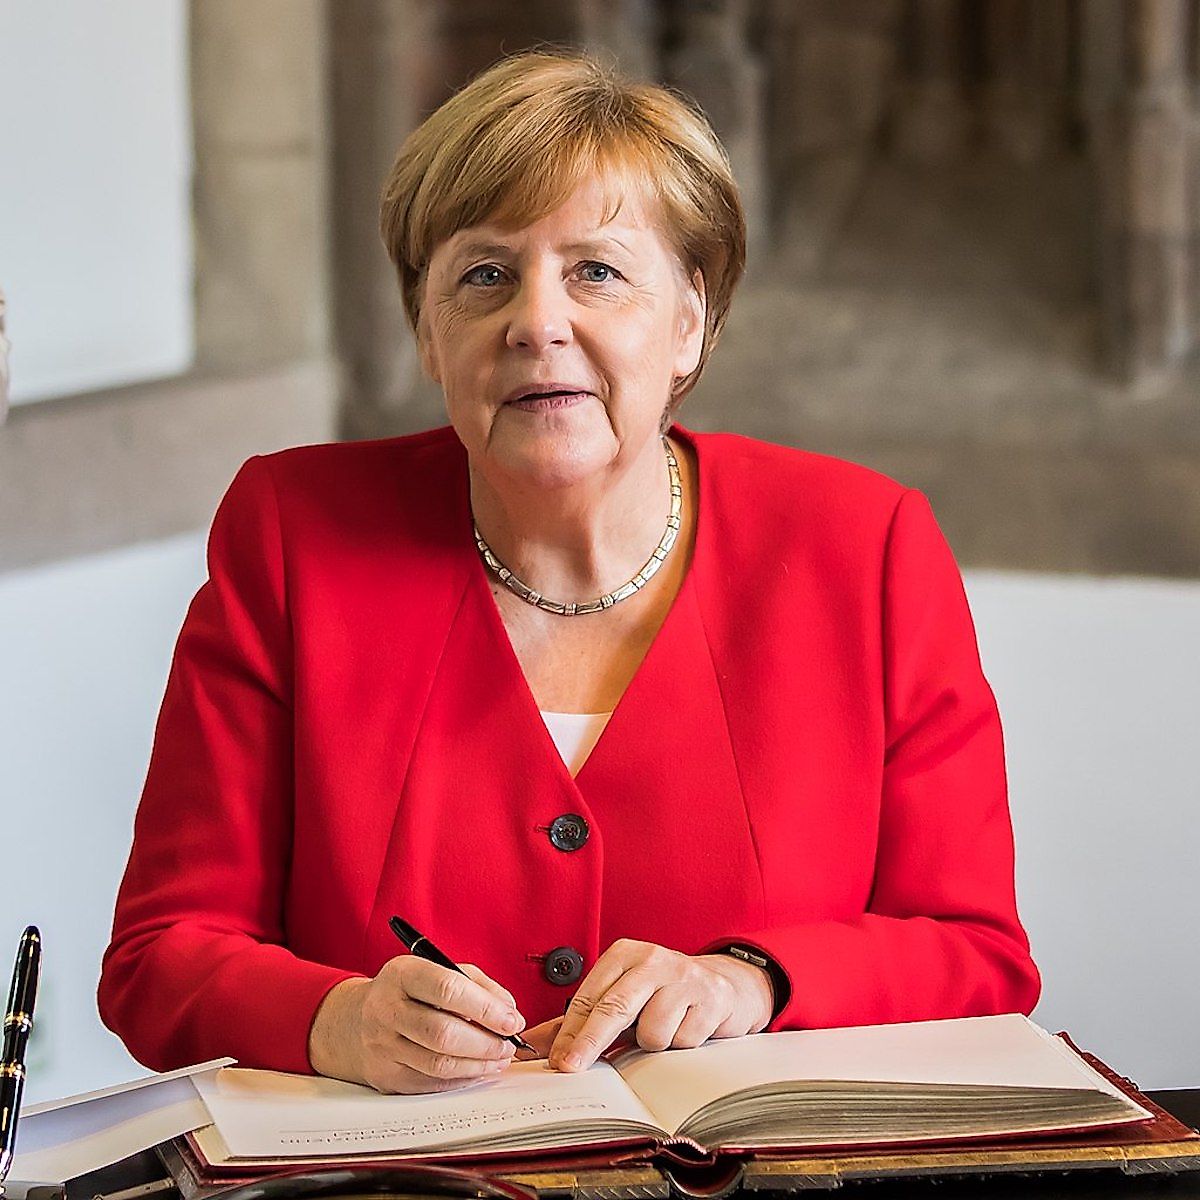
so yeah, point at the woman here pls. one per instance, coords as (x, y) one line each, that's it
(688, 730)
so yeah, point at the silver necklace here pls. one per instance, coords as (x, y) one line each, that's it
(519, 588)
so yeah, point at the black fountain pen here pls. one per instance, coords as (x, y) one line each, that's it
(18, 1021)
(422, 947)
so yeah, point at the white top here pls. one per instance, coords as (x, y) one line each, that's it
(575, 734)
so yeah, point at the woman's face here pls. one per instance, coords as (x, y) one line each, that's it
(557, 345)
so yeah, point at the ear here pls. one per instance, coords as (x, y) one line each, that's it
(693, 308)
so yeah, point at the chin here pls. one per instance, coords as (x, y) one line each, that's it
(550, 471)
(555, 455)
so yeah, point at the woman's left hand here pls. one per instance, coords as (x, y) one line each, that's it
(675, 1000)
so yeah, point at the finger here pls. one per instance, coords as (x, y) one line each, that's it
(662, 1015)
(626, 1040)
(610, 966)
(459, 994)
(697, 1026)
(612, 1013)
(473, 972)
(734, 1025)
(438, 1064)
(445, 1033)
(541, 1038)
(397, 1079)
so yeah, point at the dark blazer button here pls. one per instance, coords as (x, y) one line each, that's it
(563, 965)
(568, 832)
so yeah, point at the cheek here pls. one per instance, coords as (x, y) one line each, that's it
(447, 323)
(456, 338)
(644, 347)
(461, 341)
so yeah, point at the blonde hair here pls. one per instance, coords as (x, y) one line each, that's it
(514, 144)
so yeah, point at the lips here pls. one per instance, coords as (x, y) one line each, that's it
(545, 391)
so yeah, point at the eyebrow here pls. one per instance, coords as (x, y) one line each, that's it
(480, 250)
(486, 249)
(596, 245)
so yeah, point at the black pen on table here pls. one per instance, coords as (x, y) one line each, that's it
(18, 1021)
(422, 947)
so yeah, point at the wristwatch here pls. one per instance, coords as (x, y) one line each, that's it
(747, 955)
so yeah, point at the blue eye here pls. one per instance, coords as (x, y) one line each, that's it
(485, 276)
(598, 272)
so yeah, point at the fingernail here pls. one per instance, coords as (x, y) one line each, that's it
(510, 1022)
(574, 1061)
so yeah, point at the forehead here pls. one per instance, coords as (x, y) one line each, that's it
(601, 210)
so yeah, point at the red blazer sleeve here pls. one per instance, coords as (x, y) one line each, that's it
(940, 936)
(196, 968)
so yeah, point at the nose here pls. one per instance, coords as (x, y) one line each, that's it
(539, 313)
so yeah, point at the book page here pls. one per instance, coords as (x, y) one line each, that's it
(57, 1144)
(155, 1080)
(268, 1114)
(1000, 1051)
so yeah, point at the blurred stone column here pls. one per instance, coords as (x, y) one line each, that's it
(831, 74)
(1192, 199)
(1027, 86)
(1140, 123)
(625, 30)
(384, 62)
(933, 119)
(260, 209)
(473, 34)
(711, 59)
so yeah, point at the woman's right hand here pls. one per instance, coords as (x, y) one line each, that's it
(415, 1027)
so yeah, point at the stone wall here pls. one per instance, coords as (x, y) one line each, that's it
(975, 257)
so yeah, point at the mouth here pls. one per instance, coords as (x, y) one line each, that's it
(547, 397)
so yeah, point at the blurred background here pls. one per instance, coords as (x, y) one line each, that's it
(975, 266)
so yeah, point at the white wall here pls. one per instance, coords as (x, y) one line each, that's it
(1099, 686)
(84, 651)
(1097, 680)
(95, 177)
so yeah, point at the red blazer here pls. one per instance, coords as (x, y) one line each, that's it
(808, 760)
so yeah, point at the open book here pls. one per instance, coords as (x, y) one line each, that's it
(882, 1084)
